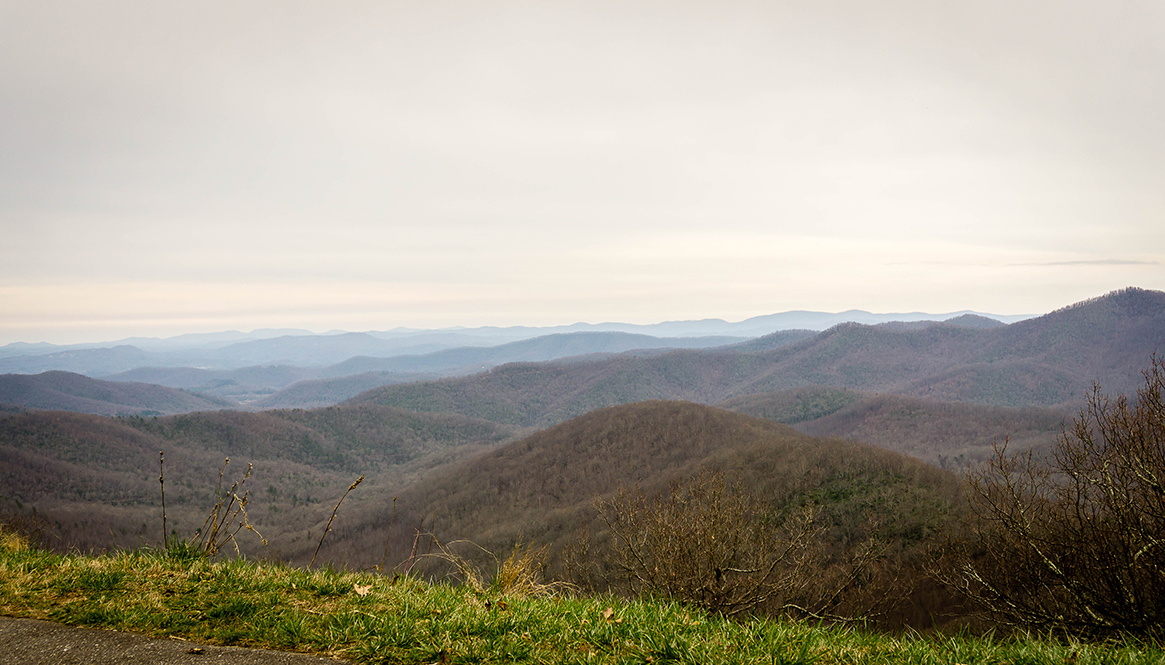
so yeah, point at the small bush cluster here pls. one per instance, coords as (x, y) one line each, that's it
(712, 545)
(1075, 541)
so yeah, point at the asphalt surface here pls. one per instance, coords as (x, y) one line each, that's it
(33, 642)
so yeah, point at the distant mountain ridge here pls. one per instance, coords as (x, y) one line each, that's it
(538, 349)
(1046, 361)
(233, 349)
(65, 391)
(315, 393)
(252, 387)
(321, 356)
(284, 386)
(967, 357)
(357, 375)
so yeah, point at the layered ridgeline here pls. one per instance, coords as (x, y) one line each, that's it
(280, 361)
(356, 375)
(287, 385)
(94, 475)
(92, 482)
(1047, 361)
(272, 386)
(66, 391)
(301, 348)
(293, 386)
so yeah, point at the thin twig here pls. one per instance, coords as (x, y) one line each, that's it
(329, 525)
(162, 484)
(392, 519)
(425, 565)
(413, 552)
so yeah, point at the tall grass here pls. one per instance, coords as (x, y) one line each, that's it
(371, 618)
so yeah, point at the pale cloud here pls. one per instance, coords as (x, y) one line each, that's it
(365, 165)
(1096, 262)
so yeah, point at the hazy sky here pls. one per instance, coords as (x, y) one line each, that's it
(177, 167)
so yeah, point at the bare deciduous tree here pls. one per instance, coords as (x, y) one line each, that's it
(1076, 541)
(712, 545)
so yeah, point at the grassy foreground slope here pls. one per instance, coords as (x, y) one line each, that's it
(366, 618)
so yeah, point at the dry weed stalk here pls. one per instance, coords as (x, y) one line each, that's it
(469, 572)
(215, 531)
(523, 571)
(428, 552)
(408, 563)
(391, 520)
(10, 541)
(162, 483)
(520, 574)
(328, 527)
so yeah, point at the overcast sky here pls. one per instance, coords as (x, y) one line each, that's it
(181, 167)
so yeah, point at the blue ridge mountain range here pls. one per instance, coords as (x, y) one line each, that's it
(961, 356)
(523, 446)
(1047, 361)
(233, 349)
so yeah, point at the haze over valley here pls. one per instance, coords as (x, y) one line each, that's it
(938, 391)
(254, 369)
(526, 269)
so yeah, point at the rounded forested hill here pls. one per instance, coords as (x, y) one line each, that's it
(541, 489)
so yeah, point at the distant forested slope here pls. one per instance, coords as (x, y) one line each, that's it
(95, 479)
(1047, 361)
(66, 391)
(541, 489)
(949, 434)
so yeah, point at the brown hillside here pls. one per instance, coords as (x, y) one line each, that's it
(794, 406)
(1107, 339)
(541, 488)
(96, 478)
(1047, 361)
(316, 393)
(948, 434)
(66, 391)
(1002, 383)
